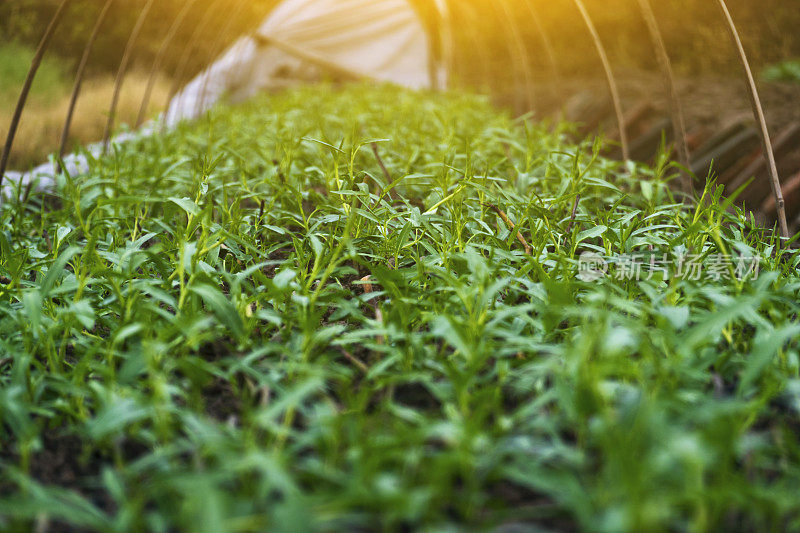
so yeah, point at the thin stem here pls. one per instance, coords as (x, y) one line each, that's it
(512, 227)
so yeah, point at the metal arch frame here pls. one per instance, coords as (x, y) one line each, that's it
(514, 42)
(44, 43)
(216, 48)
(123, 68)
(502, 17)
(172, 32)
(676, 109)
(176, 85)
(547, 43)
(76, 89)
(522, 53)
(466, 8)
(612, 81)
(758, 112)
(187, 49)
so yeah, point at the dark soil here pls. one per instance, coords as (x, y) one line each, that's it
(710, 102)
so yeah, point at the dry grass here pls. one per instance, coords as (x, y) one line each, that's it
(40, 129)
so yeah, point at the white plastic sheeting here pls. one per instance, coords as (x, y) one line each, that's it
(44, 176)
(383, 40)
(300, 40)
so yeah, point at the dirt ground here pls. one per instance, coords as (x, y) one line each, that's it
(712, 106)
(710, 102)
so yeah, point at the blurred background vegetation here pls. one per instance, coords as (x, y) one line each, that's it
(484, 54)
